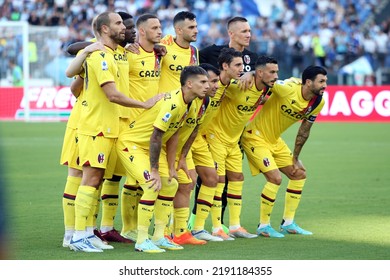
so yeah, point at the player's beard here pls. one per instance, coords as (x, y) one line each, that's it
(317, 92)
(189, 38)
(117, 37)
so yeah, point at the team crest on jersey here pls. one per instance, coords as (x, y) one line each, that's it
(266, 162)
(247, 59)
(146, 175)
(101, 158)
(104, 65)
(166, 117)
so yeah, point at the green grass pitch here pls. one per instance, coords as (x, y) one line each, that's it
(345, 201)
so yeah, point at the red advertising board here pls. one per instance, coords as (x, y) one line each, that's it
(356, 104)
(46, 103)
(342, 104)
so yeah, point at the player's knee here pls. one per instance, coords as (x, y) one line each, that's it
(277, 180)
(185, 188)
(235, 176)
(210, 179)
(94, 182)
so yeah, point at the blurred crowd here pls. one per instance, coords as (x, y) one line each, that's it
(331, 33)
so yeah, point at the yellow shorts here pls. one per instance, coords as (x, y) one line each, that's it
(264, 157)
(115, 165)
(97, 151)
(136, 162)
(227, 157)
(182, 176)
(70, 149)
(201, 154)
(119, 169)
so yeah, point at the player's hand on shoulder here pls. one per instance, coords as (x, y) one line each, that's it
(153, 100)
(160, 50)
(246, 81)
(96, 46)
(133, 48)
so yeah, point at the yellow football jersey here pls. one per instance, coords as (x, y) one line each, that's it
(144, 77)
(236, 109)
(98, 115)
(284, 107)
(174, 62)
(167, 115)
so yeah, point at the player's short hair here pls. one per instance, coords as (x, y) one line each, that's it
(190, 71)
(227, 55)
(235, 19)
(183, 15)
(102, 19)
(311, 73)
(143, 18)
(264, 60)
(125, 16)
(208, 67)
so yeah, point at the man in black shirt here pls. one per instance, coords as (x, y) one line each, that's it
(240, 34)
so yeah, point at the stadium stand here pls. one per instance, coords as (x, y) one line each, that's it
(284, 29)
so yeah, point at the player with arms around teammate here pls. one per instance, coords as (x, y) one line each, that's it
(230, 66)
(143, 153)
(239, 32)
(268, 153)
(110, 188)
(98, 126)
(223, 135)
(144, 77)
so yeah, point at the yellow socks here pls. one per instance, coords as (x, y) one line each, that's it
(204, 202)
(164, 206)
(130, 198)
(217, 206)
(68, 201)
(109, 197)
(145, 212)
(85, 199)
(267, 202)
(292, 198)
(180, 220)
(234, 198)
